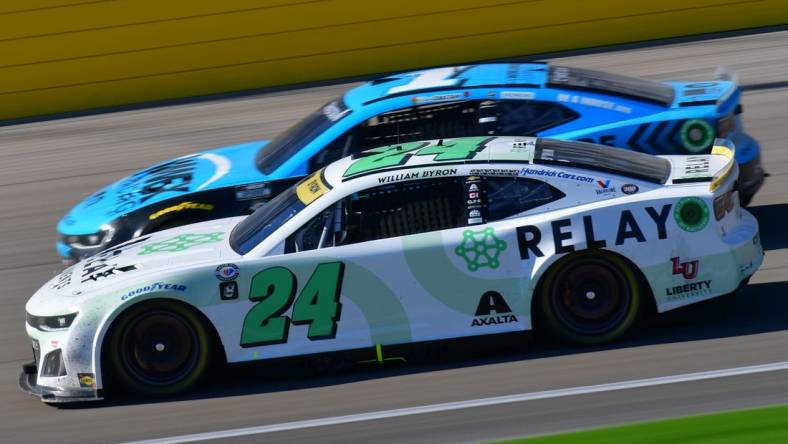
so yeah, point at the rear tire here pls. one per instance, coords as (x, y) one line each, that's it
(589, 298)
(157, 349)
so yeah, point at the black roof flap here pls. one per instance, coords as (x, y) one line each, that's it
(602, 158)
(588, 79)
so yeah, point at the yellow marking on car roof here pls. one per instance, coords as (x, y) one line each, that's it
(311, 188)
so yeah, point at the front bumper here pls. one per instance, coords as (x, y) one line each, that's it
(28, 382)
(62, 368)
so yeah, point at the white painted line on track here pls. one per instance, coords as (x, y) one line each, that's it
(471, 403)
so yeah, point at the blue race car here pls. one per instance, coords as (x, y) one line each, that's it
(520, 99)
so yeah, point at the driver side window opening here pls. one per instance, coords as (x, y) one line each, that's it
(435, 121)
(446, 120)
(425, 122)
(385, 211)
(419, 206)
(405, 208)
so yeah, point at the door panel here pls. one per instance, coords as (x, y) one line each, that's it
(466, 281)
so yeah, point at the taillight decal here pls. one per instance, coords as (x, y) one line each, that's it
(723, 204)
(726, 125)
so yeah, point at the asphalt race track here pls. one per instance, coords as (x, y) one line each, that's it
(48, 166)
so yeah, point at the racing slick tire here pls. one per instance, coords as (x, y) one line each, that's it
(158, 348)
(588, 298)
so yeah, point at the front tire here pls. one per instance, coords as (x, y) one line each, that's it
(158, 349)
(589, 298)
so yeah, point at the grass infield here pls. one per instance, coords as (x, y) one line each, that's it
(761, 425)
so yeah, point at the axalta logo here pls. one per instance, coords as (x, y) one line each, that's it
(688, 269)
(492, 310)
(604, 187)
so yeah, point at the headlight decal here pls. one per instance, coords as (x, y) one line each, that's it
(92, 240)
(51, 323)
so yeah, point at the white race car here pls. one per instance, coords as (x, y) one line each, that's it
(413, 242)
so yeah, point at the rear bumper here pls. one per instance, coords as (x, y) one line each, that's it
(747, 248)
(751, 178)
(719, 268)
(28, 382)
(751, 173)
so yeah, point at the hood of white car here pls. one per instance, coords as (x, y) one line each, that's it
(147, 255)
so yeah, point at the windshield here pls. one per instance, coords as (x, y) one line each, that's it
(287, 144)
(266, 219)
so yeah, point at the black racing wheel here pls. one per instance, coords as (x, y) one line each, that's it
(158, 348)
(588, 298)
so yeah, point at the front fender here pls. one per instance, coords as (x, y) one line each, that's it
(106, 323)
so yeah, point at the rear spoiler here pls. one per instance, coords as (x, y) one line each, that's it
(714, 168)
(704, 93)
(725, 148)
(725, 73)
